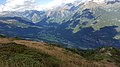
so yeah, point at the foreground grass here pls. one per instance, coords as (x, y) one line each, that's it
(22, 53)
(15, 55)
(102, 54)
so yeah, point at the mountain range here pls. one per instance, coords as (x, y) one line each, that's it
(83, 25)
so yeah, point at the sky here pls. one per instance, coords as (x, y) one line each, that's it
(21, 5)
(43, 1)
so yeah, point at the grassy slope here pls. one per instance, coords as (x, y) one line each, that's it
(21, 53)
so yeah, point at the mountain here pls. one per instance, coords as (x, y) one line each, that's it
(94, 19)
(82, 25)
(24, 53)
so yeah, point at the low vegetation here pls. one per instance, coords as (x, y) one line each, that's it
(2, 36)
(101, 54)
(22, 53)
(15, 55)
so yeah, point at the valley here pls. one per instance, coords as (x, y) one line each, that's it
(77, 25)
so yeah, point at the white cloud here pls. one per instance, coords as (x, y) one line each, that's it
(68, 1)
(53, 4)
(20, 5)
(12, 5)
(1, 7)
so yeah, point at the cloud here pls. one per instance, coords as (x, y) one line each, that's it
(13, 5)
(1, 8)
(21, 5)
(52, 4)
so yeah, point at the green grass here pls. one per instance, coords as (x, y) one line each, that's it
(106, 54)
(15, 55)
(2, 36)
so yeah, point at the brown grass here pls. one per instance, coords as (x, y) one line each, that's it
(68, 58)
